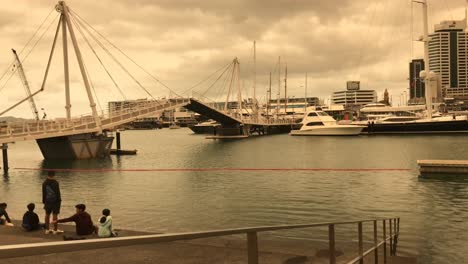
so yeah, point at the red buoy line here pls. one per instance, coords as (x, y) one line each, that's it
(221, 169)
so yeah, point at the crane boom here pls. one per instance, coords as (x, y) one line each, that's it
(24, 81)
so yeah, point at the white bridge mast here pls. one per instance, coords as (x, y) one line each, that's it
(63, 8)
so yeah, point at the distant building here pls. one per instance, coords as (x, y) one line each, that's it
(354, 96)
(448, 56)
(416, 84)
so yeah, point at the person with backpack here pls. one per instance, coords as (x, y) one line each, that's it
(52, 200)
(30, 219)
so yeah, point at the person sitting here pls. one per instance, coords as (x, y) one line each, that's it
(30, 219)
(105, 225)
(83, 222)
(3, 212)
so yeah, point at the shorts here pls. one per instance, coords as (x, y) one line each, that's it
(52, 208)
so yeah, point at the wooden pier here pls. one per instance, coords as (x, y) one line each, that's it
(443, 167)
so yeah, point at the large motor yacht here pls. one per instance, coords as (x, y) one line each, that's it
(319, 123)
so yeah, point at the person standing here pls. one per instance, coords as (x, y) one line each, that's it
(52, 200)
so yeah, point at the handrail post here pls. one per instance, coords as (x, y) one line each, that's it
(391, 236)
(331, 243)
(252, 248)
(361, 247)
(395, 236)
(385, 242)
(376, 250)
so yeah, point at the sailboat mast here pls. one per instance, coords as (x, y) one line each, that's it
(269, 98)
(239, 95)
(286, 89)
(305, 94)
(427, 68)
(279, 86)
(255, 74)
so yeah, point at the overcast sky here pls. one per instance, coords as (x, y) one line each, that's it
(182, 42)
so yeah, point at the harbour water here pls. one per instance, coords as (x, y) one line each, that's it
(433, 212)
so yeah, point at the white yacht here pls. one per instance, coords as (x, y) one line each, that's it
(319, 123)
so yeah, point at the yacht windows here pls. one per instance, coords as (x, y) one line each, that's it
(322, 114)
(312, 114)
(314, 124)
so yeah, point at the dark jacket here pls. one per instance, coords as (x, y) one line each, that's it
(3, 212)
(51, 192)
(84, 224)
(30, 220)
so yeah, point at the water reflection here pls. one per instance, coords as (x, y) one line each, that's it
(432, 211)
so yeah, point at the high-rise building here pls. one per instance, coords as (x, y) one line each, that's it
(448, 56)
(416, 84)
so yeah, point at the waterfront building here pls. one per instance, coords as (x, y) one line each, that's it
(448, 57)
(354, 96)
(416, 84)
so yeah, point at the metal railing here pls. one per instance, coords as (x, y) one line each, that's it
(13, 131)
(390, 231)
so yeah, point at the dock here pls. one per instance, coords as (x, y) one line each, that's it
(443, 167)
(122, 152)
(227, 137)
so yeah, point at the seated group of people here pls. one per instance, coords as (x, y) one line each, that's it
(84, 223)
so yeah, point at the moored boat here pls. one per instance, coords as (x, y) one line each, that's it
(319, 123)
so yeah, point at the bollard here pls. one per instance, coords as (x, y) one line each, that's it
(5, 158)
(118, 141)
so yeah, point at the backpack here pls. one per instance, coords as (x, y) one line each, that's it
(50, 196)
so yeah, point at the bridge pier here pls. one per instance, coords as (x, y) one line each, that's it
(5, 158)
(117, 138)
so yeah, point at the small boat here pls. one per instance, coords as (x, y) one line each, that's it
(207, 127)
(319, 123)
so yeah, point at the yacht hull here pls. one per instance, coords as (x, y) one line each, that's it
(203, 129)
(428, 127)
(339, 130)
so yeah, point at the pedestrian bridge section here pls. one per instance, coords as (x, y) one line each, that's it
(34, 130)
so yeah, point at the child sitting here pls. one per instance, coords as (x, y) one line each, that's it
(3, 212)
(105, 225)
(30, 219)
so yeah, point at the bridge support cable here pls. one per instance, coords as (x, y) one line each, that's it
(45, 75)
(124, 54)
(225, 67)
(91, 82)
(8, 69)
(112, 57)
(12, 73)
(230, 85)
(217, 79)
(77, 25)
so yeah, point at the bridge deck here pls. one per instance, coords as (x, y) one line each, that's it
(232, 119)
(32, 130)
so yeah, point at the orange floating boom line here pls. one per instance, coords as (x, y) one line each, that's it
(219, 169)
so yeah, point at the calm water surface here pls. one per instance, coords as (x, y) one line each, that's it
(433, 212)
